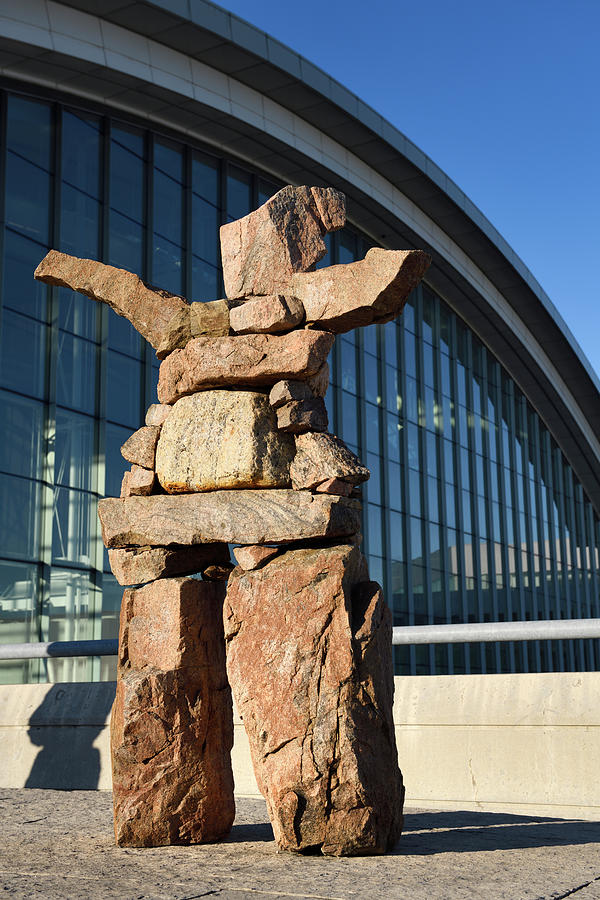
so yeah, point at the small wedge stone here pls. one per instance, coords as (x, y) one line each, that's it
(319, 382)
(249, 558)
(300, 416)
(286, 391)
(320, 457)
(140, 448)
(334, 486)
(157, 413)
(125, 484)
(141, 481)
(267, 315)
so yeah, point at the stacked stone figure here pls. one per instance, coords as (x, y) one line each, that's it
(237, 452)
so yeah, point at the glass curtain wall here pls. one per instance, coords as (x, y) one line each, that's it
(471, 513)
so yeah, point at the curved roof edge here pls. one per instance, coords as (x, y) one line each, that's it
(248, 47)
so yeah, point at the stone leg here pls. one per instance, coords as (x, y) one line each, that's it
(172, 721)
(309, 658)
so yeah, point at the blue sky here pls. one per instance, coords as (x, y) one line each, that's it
(504, 97)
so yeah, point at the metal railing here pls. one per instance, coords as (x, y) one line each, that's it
(460, 633)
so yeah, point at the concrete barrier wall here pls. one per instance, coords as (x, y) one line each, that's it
(528, 744)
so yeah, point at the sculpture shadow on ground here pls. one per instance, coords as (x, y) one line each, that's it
(67, 759)
(472, 832)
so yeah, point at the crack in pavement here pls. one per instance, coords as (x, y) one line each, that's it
(574, 890)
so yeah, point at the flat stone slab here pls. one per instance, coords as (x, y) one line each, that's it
(59, 845)
(260, 516)
(242, 360)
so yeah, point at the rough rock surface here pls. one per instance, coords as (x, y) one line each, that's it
(244, 360)
(319, 382)
(263, 315)
(157, 413)
(172, 722)
(285, 235)
(374, 289)
(310, 665)
(254, 556)
(140, 448)
(148, 309)
(141, 481)
(269, 516)
(286, 391)
(334, 486)
(139, 565)
(320, 457)
(210, 318)
(300, 416)
(223, 439)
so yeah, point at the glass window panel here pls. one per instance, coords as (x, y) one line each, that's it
(168, 159)
(452, 552)
(124, 401)
(432, 454)
(326, 260)
(414, 456)
(416, 543)
(390, 336)
(22, 354)
(414, 492)
(73, 525)
(449, 471)
(168, 208)
(69, 612)
(408, 315)
(428, 366)
(466, 511)
(29, 130)
(396, 521)
(432, 499)
(348, 362)
(239, 193)
(205, 230)
(122, 336)
(410, 354)
(411, 401)
(393, 398)
(205, 280)
(376, 568)
(115, 464)
(372, 393)
(167, 265)
(76, 373)
(21, 291)
(347, 249)
(127, 189)
(375, 465)
(27, 198)
(266, 189)
(448, 417)
(370, 342)
(349, 418)
(375, 539)
(19, 522)
(18, 617)
(81, 143)
(394, 485)
(78, 314)
(126, 243)
(23, 420)
(393, 436)
(74, 450)
(80, 223)
(373, 429)
(450, 506)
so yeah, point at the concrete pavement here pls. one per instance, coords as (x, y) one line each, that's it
(57, 844)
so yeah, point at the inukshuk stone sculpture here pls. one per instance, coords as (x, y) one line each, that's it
(237, 451)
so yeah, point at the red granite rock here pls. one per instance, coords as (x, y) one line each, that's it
(138, 565)
(157, 413)
(374, 289)
(172, 721)
(243, 360)
(300, 416)
(334, 486)
(149, 309)
(254, 556)
(310, 665)
(285, 235)
(320, 457)
(319, 382)
(266, 315)
(141, 481)
(285, 391)
(140, 448)
(210, 318)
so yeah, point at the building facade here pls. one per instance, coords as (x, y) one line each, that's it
(130, 135)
